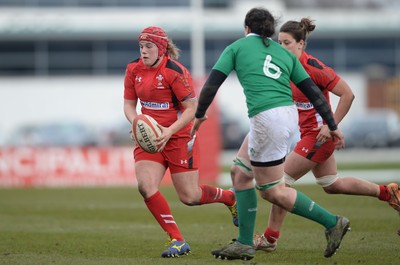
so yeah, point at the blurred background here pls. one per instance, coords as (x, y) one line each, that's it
(62, 64)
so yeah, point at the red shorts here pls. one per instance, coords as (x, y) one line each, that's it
(309, 148)
(179, 155)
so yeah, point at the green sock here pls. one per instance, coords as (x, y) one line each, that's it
(305, 207)
(247, 210)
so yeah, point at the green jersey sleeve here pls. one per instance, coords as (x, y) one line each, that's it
(298, 73)
(226, 62)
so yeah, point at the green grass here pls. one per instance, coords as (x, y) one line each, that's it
(367, 166)
(113, 226)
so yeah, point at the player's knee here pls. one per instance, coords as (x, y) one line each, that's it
(270, 191)
(241, 166)
(190, 196)
(289, 181)
(328, 183)
(145, 192)
(189, 200)
(235, 171)
(189, 203)
(271, 195)
(241, 172)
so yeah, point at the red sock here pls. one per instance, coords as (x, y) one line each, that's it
(271, 235)
(384, 194)
(213, 194)
(159, 207)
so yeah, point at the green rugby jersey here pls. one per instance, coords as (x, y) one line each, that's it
(264, 72)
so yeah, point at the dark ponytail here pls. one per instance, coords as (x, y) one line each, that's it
(261, 22)
(299, 30)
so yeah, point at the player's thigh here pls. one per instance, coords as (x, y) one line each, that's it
(187, 185)
(243, 150)
(297, 165)
(149, 175)
(326, 168)
(264, 175)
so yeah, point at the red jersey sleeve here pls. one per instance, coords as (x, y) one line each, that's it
(323, 76)
(129, 83)
(182, 85)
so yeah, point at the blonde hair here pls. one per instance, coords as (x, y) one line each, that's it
(172, 50)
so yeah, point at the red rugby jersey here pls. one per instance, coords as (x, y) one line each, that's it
(326, 79)
(160, 90)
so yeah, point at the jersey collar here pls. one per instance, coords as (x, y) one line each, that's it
(252, 34)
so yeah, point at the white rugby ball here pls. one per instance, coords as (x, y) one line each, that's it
(146, 131)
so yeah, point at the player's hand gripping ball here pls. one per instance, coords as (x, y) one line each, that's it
(145, 131)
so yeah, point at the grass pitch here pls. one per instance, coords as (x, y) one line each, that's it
(113, 226)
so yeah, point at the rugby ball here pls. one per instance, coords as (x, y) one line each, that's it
(146, 131)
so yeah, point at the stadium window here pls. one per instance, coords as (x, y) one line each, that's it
(362, 52)
(17, 58)
(119, 54)
(70, 57)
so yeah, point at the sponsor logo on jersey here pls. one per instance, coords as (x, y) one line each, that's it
(304, 105)
(155, 105)
(138, 79)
